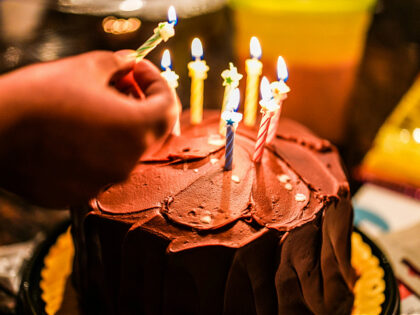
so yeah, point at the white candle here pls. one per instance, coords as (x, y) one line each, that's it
(172, 78)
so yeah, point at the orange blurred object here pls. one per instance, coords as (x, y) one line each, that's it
(322, 42)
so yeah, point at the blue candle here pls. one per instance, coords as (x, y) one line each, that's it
(232, 118)
(230, 137)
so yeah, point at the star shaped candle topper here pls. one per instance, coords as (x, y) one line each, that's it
(231, 76)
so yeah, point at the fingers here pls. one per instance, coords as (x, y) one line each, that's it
(149, 78)
(108, 66)
(128, 61)
(160, 102)
(126, 55)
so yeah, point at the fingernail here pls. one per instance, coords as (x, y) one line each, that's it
(126, 55)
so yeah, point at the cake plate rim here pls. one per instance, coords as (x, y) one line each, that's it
(30, 301)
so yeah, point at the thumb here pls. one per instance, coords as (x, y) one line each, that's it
(107, 66)
(126, 62)
(124, 81)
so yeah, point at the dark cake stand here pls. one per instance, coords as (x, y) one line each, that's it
(31, 301)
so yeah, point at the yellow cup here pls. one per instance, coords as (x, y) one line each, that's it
(322, 42)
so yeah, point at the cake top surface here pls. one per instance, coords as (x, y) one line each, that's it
(180, 190)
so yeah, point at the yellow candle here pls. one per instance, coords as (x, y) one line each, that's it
(253, 69)
(231, 79)
(198, 73)
(172, 78)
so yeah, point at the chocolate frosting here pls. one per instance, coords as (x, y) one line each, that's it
(191, 238)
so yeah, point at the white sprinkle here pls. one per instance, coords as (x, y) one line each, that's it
(300, 197)
(206, 219)
(214, 160)
(288, 186)
(195, 170)
(283, 178)
(235, 179)
(216, 140)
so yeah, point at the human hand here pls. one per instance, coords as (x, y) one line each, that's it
(65, 131)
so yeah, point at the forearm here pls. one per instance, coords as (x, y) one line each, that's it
(9, 103)
(12, 103)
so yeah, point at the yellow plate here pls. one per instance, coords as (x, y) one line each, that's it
(369, 288)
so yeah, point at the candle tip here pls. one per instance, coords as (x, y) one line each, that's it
(233, 102)
(166, 60)
(172, 17)
(255, 48)
(282, 72)
(197, 48)
(265, 89)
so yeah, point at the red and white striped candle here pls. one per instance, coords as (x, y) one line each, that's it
(279, 90)
(268, 108)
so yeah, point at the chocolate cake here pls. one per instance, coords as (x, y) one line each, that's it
(182, 236)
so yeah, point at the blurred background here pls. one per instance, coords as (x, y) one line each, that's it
(353, 67)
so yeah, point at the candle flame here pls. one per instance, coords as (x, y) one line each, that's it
(233, 102)
(255, 48)
(265, 89)
(197, 48)
(166, 60)
(282, 73)
(172, 18)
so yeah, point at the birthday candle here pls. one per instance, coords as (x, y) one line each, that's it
(164, 31)
(279, 90)
(231, 118)
(268, 108)
(172, 78)
(198, 73)
(231, 79)
(253, 68)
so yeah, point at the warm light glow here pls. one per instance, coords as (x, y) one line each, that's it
(233, 102)
(265, 89)
(116, 26)
(416, 135)
(255, 48)
(405, 136)
(131, 5)
(172, 18)
(282, 73)
(196, 49)
(166, 60)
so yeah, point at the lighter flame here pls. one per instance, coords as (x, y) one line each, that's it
(166, 60)
(233, 102)
(255, 48)
(265, 89)
(282, 73)
(172, 18)
(196, 48)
